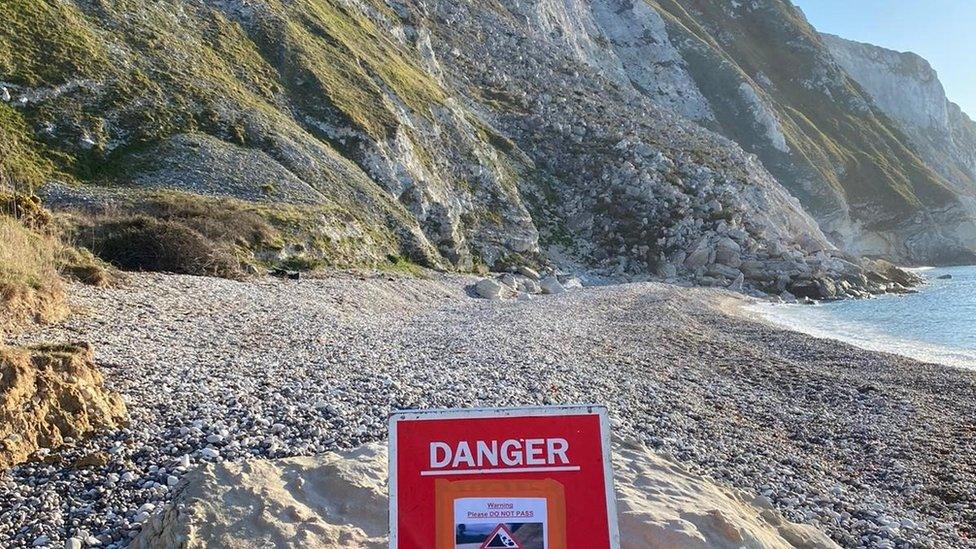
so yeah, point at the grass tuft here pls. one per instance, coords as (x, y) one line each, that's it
(31, 289)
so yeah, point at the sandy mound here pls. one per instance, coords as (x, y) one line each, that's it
(340, 501)
(49, 393)
(661, 504)
(326, 501)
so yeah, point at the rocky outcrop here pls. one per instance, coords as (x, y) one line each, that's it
(775, 88)
(339, 500)
(908, 90)
(454, 134)
(49, 394)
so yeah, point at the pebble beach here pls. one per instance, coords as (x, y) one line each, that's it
(873, 449)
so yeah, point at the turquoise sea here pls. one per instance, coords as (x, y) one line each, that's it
(938, 324)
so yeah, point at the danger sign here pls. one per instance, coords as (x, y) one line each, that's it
(519, 478)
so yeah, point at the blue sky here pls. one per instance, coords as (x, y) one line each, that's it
(942, 31)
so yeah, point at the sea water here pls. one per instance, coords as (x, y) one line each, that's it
(937, 324)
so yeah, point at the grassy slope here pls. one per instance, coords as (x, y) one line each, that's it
(861, 154)
(132, 74)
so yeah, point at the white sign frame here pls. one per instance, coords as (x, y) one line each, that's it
(524, 411)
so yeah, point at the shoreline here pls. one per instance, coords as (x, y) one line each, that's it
(866, 447)
(829, 321)
(775, 314)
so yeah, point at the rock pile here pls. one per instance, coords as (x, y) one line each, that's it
(632, 189)
(525, 283)
(50, 394)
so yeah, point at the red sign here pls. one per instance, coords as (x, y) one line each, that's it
(521, 478)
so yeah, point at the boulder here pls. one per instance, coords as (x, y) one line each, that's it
(529, 272)
(49, 393)
(756, 270)
(527, 285)
(727, 252)
(738, 283)
(573, 283)
(490, 288)
(842, 267)
(776, 249)
(710, 281)
(699, 256)
(782, 282)
(509, 280)
(551, 285)
(815, 288)
(667, 270)
(718, 270)
(882, 272)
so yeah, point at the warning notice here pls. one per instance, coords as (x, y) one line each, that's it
(500, 522)
(528, 478)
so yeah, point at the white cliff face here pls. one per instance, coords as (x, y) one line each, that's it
(765, 117)
(626, 41)
(650, 62)
(908, 90)
(904, 85)
(620, 183)
(498, 133)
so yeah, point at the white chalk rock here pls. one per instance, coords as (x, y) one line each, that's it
(551, 285)
(573, 283)
(489, 288)
(529, 272)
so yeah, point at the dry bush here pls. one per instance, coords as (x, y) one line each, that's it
(225, 221)
(144, 243)
(174, 232)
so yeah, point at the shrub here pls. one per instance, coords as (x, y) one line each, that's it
(231, 222)
(26, 208)
(143, 243)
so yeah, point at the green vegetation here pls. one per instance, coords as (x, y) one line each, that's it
(44, 42)
(139, 242)
(34, 261)
(167, 76)
(403, 266)
(22, 166)
(120, 79)
(192, 234)
(351, 60)
(177, 233)
(28, 260)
